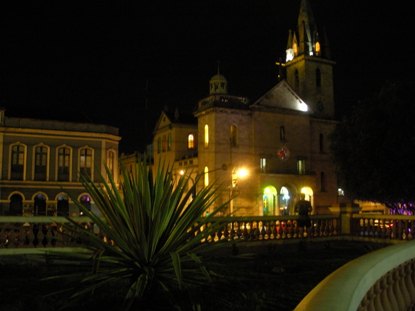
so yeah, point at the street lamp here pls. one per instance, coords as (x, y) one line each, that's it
(237, 174)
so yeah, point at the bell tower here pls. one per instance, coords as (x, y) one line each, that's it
(308, 64)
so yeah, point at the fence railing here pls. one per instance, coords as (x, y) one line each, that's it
(45, 231)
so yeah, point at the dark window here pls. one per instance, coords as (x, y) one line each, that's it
(318, 78)
(62, 205)
(41, 158)
(63, 164)
(321, 141)
(39, 205)
(17, 163)
(282, 134)
(16, 205)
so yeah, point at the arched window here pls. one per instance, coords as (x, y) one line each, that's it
(318, 78)
(39, 205)
(190, 141)
(234, 135)
(17, 168)
(85, 200)
(62, 204)
(85, 161)
(41, 163)
(16, 205)
(206, 135)
(64, 160)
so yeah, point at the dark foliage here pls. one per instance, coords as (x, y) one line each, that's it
(373, 148)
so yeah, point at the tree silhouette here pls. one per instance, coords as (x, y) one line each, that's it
(373, 148)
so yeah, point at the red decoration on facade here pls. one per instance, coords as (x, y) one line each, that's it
(283, 153)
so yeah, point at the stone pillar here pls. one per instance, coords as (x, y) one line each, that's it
(346, 212)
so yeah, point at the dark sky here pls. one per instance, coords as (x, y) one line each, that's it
(90, 61)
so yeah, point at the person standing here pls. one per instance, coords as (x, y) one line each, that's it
(303, 209)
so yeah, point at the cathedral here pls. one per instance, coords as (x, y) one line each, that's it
(264, 153)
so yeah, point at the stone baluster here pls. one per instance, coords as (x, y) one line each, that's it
(402, 284)
(384, 294)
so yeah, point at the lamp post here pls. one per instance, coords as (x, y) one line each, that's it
(237, 174)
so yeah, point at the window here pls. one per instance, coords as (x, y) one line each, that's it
(41, 162)
(282, 134)
(62, 205)
(301, 166)
(39, 205)
(321, 143)
(234, 135)
(85, 158)
(206, 135)
(263, 165)
(16, 205)
(64, 157)
(206, 177)
(318, 48)
(190, 141)
(318, 78)
(85, 200)
(111, 161)
(18, 162)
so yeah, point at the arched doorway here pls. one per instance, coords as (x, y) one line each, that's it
(39, 205)
(308, 192)
(269, 199)
(284, 201)
(16, 205)
(85, 200)
(62, 204)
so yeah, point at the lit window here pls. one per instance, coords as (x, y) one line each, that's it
(318, 48)
(301, 166)
(190, 141)
(206, 177)
(206, 135)
(263, 164)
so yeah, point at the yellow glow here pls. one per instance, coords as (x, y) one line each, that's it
(181, 172)
(242, 173)
(302, 106)
(206, 179)
(206, 135)
(190, 141)
(318, 48)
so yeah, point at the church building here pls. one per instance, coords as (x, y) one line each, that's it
(263, 153)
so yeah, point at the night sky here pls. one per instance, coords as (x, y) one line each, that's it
(121, 62)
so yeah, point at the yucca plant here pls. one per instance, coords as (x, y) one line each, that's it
(149, 243)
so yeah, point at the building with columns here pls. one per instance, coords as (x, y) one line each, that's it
(280, 139)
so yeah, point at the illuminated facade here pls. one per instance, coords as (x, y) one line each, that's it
(40, 162)
(282, 138)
